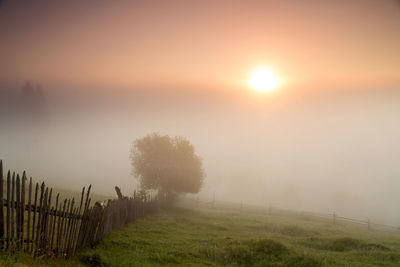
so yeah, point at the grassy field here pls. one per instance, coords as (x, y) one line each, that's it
(201, 236)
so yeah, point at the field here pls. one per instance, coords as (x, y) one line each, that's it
(198, 235)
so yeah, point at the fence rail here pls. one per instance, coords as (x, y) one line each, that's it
(332, 217)
(30, 222)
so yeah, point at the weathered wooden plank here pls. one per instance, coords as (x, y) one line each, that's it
(18, 210)
(93, 223)
(87, 202)
(99, 231)
(76, 232)
(81, 202)
(86, 227)
(107, 225)
(69, 235)
(72, 232)
(34, 216)
(121, 212)
(28, 227)
(118, 214)
(68, 229)
(63, 228)
(54, 223)
(46, 225)
(81, 234)
(59, 228)
(8, 208)
(110, 215)
(22, 212)
(12, 224)
(40, 214)
(81, 230)
(100, 224)
(48, 243)
(43, 212)
(1, 205)
(79, 223)
(105, 220)
(113, 216)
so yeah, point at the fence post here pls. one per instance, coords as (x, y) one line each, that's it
(60, 223)
(12, 207)
(34, 216)
(54, 223)
(18, 211)
(1, 205)
(8, 208)
(334, 217)
(22, 210)
(28, 228)
(40, 213)
(47, 225)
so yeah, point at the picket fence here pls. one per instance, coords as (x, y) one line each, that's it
(30, 222)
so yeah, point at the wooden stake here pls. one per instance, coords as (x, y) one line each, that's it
(8, 208)
(34, 216)
(28, 229)
(22, 212)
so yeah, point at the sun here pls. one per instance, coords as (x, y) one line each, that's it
(264, 80)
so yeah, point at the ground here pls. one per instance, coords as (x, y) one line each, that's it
(199, 235)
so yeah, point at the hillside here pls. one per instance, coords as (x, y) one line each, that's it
(202, 236)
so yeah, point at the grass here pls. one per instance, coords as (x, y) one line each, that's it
(200, 236)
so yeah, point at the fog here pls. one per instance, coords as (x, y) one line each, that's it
(318, 150)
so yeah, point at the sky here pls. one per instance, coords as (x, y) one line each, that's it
(112, 71)
(121, 44)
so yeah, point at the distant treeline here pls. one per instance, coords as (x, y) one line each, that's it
(27, 103)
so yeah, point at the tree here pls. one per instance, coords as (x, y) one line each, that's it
(168, 165)
(31, 104)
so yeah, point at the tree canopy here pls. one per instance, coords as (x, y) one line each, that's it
(167, 164)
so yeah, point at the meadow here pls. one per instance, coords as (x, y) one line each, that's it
(199, 235)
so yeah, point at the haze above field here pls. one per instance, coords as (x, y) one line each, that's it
(113, 71)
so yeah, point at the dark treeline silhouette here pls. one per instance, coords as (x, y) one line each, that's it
(27, 105)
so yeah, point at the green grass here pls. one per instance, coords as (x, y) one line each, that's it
(200, 236)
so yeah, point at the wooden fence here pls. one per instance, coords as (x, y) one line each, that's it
(32, 221)
(332, 217)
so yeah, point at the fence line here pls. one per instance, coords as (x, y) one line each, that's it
(30, 223)
(333, 217)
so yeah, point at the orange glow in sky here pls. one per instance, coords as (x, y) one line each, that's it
(209, 43)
